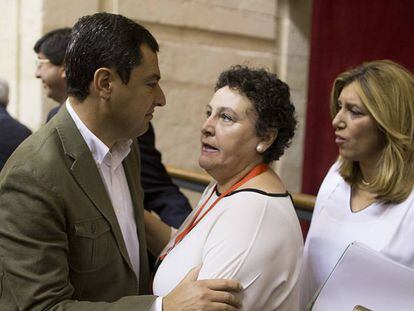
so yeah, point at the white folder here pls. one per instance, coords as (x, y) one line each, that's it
(367, 278)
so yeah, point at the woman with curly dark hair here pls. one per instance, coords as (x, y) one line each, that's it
(245, 227)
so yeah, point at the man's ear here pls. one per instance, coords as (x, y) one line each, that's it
(102, 80)
(267, 140)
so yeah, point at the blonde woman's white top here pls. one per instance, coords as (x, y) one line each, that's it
(387, 228)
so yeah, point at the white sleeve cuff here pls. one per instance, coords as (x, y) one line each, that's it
(157, 305)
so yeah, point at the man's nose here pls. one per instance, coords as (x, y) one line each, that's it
(160, 98)
(37, 72)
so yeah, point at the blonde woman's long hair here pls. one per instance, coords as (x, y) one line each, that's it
(387, 91)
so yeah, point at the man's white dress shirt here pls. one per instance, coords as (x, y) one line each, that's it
(109, 163)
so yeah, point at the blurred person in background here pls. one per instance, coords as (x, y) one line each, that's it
(12, 132)
(50, 50)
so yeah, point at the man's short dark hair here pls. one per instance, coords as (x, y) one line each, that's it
(271, 99)
(104, 40)
(53, 45)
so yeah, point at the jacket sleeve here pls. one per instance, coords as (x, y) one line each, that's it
(34, 269)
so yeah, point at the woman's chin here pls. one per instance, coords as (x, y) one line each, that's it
(202, 164)
(206, 164)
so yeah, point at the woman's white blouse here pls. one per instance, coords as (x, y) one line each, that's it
(388, 228)
(249, 236)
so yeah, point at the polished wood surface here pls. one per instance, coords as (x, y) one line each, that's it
(300, 200)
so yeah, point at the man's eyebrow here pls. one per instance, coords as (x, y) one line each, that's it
(153, 77)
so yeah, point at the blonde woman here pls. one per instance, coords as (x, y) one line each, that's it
(367, 195)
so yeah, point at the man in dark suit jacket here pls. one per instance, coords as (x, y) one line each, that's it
(71, 213)
(12, 132)
(161, 194)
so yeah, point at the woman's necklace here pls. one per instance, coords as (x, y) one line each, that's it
(365, 183)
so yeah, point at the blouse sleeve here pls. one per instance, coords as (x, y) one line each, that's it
(257, 245)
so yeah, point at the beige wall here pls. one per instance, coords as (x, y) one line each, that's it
(198, 39)
(294, 19)
(19, 27)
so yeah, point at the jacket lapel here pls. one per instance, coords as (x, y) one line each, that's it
(132, 171)
(84, 170)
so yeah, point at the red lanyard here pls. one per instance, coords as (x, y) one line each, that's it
(257, 170)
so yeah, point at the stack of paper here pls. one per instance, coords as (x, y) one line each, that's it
(364, 277)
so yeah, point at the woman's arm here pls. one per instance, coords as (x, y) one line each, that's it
(158, 233)
(260, 246)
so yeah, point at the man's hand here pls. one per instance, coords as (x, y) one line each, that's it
(202, 295)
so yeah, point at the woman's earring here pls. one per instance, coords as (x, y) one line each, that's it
(259, 148)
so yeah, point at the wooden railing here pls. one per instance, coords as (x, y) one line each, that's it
(195, 181)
